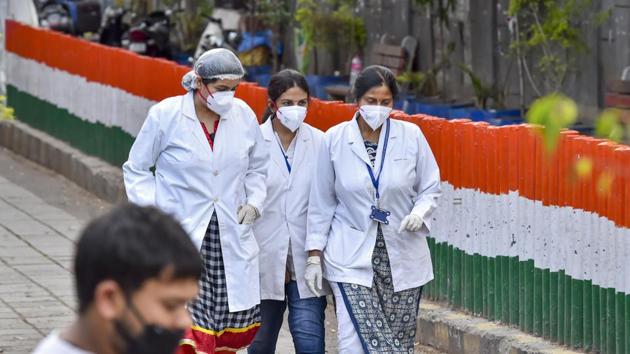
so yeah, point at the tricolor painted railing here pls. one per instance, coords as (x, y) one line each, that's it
(518, 238)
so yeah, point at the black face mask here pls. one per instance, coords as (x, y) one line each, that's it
(153, 339)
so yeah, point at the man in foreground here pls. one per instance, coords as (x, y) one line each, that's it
(135, 269)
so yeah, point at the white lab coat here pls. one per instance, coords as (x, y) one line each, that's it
(191, 182)
(342, 196)
(285, 211)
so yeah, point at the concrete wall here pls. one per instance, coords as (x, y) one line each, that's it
(480, 28)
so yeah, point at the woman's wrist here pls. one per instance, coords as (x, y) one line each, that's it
(314, 253)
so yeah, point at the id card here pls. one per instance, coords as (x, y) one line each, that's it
(380, 215)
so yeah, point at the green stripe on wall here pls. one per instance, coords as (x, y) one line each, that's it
(111, 144)
(540, 302)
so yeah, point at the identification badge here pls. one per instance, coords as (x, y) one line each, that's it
(380, 215)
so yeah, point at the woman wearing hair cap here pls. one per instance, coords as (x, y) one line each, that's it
(210, 169)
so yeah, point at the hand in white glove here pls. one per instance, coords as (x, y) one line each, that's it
(313, 274)
(247, 214)
(411, 223)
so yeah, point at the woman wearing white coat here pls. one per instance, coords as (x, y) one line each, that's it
(210, 169)
(369, 214)
(281, 231)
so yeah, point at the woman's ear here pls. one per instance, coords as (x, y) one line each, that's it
(272, 105)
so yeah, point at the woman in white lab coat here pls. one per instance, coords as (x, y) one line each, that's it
(369, 214)
(210, 169)
(281, 231)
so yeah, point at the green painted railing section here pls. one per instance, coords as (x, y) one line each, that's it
(111, 144)
(552, 305)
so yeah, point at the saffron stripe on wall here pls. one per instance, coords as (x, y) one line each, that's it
(151, 78)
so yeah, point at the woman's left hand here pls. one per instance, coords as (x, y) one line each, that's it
(247, 214)
(411, 223)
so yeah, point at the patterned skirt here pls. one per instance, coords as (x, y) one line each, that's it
(215, 329)
(384, 320)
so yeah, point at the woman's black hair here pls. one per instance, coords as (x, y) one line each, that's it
(280, 83)
(374, 76)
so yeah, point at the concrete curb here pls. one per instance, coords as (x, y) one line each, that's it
(439, 327)
(458, 333)
(92, 174)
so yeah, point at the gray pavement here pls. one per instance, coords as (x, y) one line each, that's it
(41, 215)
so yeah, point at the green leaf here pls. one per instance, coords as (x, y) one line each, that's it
(583, 167)
(554, 113)
(609, 125)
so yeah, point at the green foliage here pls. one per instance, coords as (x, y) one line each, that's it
(554, 113)
(421, 83)
(273, 12)
(484, 92)
(330, 24)
(550, 32)
(609, 125)
(5, 111)
(190, 26)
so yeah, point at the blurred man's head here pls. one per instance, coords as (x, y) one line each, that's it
(135, 270)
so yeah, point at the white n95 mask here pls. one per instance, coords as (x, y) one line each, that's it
(220, 102)
(375, 115)
(291, 116)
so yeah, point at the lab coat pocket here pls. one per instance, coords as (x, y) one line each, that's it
(245, 231)
(346, 244)
(247, 241)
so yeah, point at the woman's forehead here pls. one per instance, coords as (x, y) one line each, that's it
(294, 93)
(378, 92)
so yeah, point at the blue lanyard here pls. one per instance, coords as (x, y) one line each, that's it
(375, 181)
(286, 158)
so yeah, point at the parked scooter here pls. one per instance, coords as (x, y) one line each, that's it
(216, 35)
(116, 22)
(151, 36)
(70, 16)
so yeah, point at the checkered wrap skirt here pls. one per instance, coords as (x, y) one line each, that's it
(216, 329)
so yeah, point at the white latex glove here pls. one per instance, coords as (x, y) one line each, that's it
(313, 274)
(246, 214)
(411, 223)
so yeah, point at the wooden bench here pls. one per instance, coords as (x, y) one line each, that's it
(398, 58)
(389, 56)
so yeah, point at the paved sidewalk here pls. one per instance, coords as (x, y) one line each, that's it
(36, 291)
(41, 215)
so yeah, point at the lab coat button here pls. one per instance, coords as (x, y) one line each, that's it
(215, 172)
(216, 200)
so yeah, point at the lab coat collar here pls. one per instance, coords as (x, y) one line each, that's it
(301, 139)
(355, 139)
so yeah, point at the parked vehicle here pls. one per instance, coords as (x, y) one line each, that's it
(215, 36)
(219, 35)
(70, 16)
(151, 36)
(116, 22)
